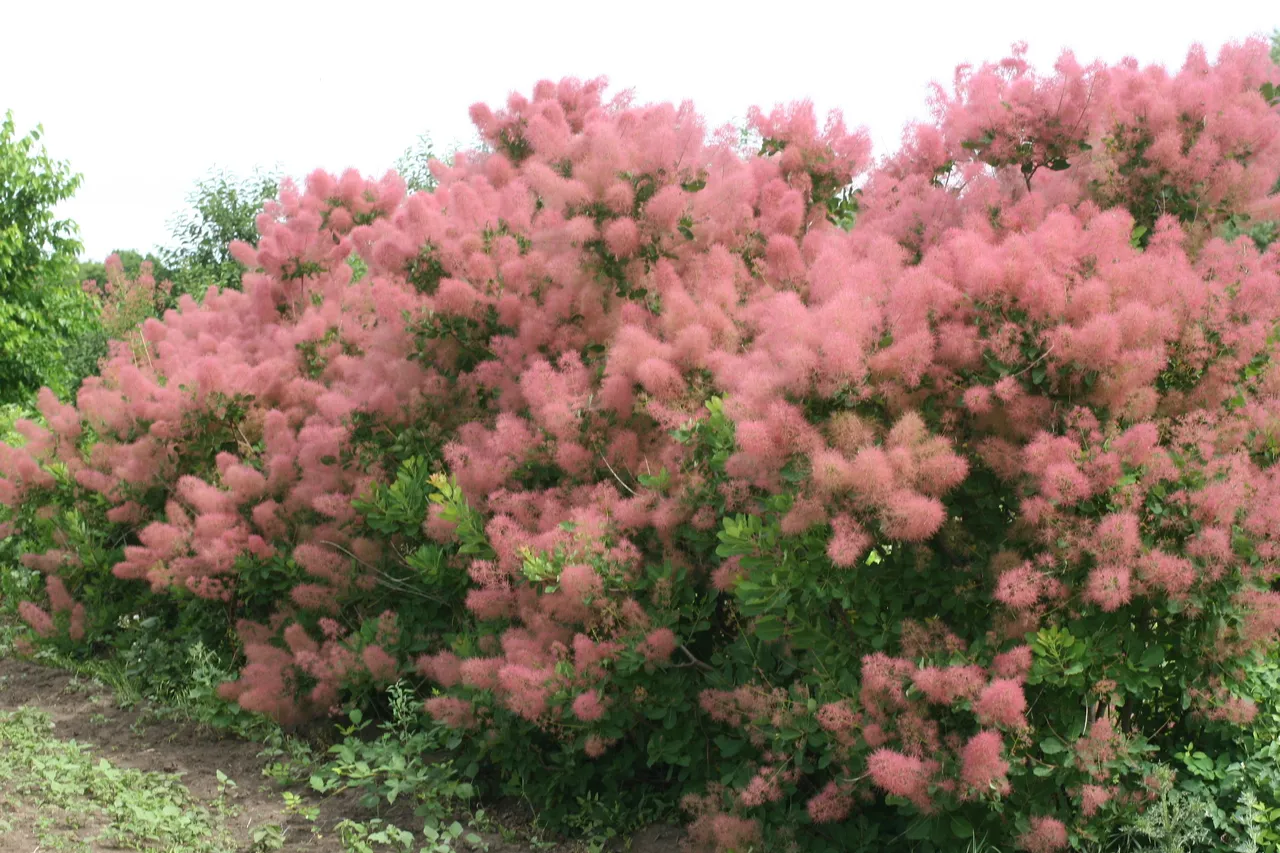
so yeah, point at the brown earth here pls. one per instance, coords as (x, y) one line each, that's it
(131, 738)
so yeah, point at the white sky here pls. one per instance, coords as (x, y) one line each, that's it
(145, 97)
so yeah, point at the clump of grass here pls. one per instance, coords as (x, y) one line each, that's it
(83, 801)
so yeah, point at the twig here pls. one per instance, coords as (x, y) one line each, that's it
(146, 351)
(1042, 357)
(615, 474)
(387, 580)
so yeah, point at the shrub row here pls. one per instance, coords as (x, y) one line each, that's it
(943, 508)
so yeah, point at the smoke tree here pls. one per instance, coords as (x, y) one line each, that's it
(954, 523)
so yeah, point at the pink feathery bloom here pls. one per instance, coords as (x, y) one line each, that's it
(873, 477)
(490, 603)
(1007, 389)
(311, 596)
(595, 746)
(977, 399)
(266, 516)
(830, 805)
(298, 641)
(633, 614)
(912, 517)
(37, 619)
(1109, 587)
(982, 766)
(245, 483)
(1238, 710)
(444, 668)
(882, 679)
(381, 666)
(436, 527)
(900, 775)
(728, 574)
(665, 208)
(322, 562)
(1092, 798)
(1063, 482)
(59, 599)
(837, 718)
(734, 833)
(943, 686)
(763, 788)
(588, 654)
(807, 512)
(581, 581)
(1021, 588)
(660, 378)
(659, 644)
(480, 673)
(1045, 835)
(1175, 575)
(526, 690)
(1117, 536)
(620, 197)
(453, 712)
(1100, 744)
(832, 473)
(849, 543)
(75, 629)
(1001, 702)
(1015, 663)
(588, 707)
(622, 237)
(127, 513)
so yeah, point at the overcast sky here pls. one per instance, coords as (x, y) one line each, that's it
(144, 98)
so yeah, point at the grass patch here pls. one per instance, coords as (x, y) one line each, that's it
(71, 800)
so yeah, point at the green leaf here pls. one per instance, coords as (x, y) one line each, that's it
(1051, 746)
(769, 628)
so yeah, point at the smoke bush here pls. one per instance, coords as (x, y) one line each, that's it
(958, 520)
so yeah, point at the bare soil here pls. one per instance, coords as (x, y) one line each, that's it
(130, 738)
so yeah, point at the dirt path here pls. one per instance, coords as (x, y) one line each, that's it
(178, 781)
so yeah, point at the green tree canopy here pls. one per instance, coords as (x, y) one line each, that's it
(223, 208)
(41, 305)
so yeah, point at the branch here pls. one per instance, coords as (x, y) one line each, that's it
(385, 579)
(615, 474)
(693, 661)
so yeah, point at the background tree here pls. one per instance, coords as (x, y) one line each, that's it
(413, 165)
(222, 209)
(40, 309)
(127, 288)
(131, 262)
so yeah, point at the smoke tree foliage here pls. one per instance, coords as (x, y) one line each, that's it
(40, 313)
(955, 524)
